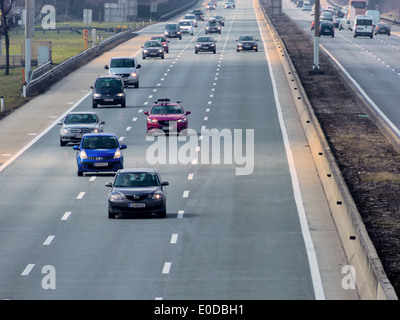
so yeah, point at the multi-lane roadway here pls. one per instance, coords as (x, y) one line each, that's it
(229, 233)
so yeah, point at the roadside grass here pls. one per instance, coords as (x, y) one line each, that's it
(65, 44)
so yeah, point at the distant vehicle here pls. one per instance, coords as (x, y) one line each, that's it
(127, 68)
(306, 6)
(213, 27)
(152, 48)
(199, 14)
(76, 124)
(336, 22)
(186, 26)
(300, 4)
(191, 17)
(99, 152)
(211, 6)
(345, 24)
(363, 26)
(326, 29)
(167, 116)
(246, 42)
(229, 5)
(108, 90)
(220, 20)
(325, 15)
(382, 28)
(137, 191)
(205, 44)
(172, 30)
(164, 41)
(360, 6)
(376, 17)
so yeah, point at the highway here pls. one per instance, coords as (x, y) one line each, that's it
(373, 64)
(236, 227)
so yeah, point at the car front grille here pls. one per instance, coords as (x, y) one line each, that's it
(136, 197)
(83, 130)
(101, 158)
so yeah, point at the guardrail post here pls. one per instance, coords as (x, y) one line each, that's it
(2, 105)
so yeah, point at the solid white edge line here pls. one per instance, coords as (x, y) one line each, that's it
(379, 111)
(312, 259)
(14, 157)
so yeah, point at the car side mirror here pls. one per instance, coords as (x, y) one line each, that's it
(102, 122)
(108, 184)
(123, 146)
(75, 147)
(146, 113)
(91, 87)
(60, 123)
(138, 66)
(165, 183)
(106, 67)
(188, 112)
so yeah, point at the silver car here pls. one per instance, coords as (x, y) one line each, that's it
(76, 124)
(127, 68)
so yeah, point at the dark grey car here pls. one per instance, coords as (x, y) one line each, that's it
(246, 42)
(172, 30)
(205, 44)
(153, 48)
(137, 191)
(76, 124)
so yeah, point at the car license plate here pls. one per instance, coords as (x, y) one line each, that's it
(167, 128)
(78, 136)
(101, 164)
(136, 205)
(108, 100)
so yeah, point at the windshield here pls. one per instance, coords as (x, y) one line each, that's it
(108, 83)
(136, 179)
(99, 143)
(185, 23)
(171, 26)
(204, 39)
(246, 38)
(122, 63)
(161, 39)
(173, 109)
(152, 44)
(80, 118)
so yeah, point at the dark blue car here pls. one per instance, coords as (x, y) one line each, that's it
(99, 152)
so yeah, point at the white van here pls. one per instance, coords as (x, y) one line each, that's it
(376, 17)
(363, 26)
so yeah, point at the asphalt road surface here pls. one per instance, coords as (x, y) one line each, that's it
(235, 226)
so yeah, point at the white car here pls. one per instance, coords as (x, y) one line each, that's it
(186, 26)
(191, 17)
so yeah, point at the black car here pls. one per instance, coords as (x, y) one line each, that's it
(205, 44)
(326, 29)
(213, 26)
(382, 28)
(220, 20)
(108, 90)
(246, 42)
(172, 30)
(152, 48)
(199, 14)
(137, 191)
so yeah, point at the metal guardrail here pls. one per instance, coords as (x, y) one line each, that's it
(43, 80)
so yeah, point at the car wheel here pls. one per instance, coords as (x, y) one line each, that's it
(144, 58)
(215, 51)
(111, 215)
(196, 52)
(162, 57)
(388, 34)
(123, 104)
(62, 143)
(163, 214)
(79, 173)
(94, 105)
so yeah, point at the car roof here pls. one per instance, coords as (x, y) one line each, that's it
(82, 112)
(138, 170)
(166, 101)
(109, 77)
(100, 134)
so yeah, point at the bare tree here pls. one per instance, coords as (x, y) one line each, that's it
(6, 24)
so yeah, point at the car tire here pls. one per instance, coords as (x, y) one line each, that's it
(162, 57)
(215, 51)
(196, 52)
(163, 214)
(111, 215)
(123, 104)
(94, 105)
(143, 57)
(62, 143)
(79, 173)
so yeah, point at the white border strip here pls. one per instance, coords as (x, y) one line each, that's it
(15, 156)
(379, 111)
(312, 259)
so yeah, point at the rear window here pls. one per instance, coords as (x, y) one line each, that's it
(364, 22)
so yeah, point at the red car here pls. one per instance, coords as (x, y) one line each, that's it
(167, 116)
(164, 41)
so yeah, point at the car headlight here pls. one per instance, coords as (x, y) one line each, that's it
(157, 196)
(116, 196)
(120, 94)
(150, 120)
(134, 74)
(96, 95)
(96, 130)
(117, 154)
(145, 51)
(182, 120)
(83, 154)
(65, 130)
(198, 45)
(207, 28)
(160, 50)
